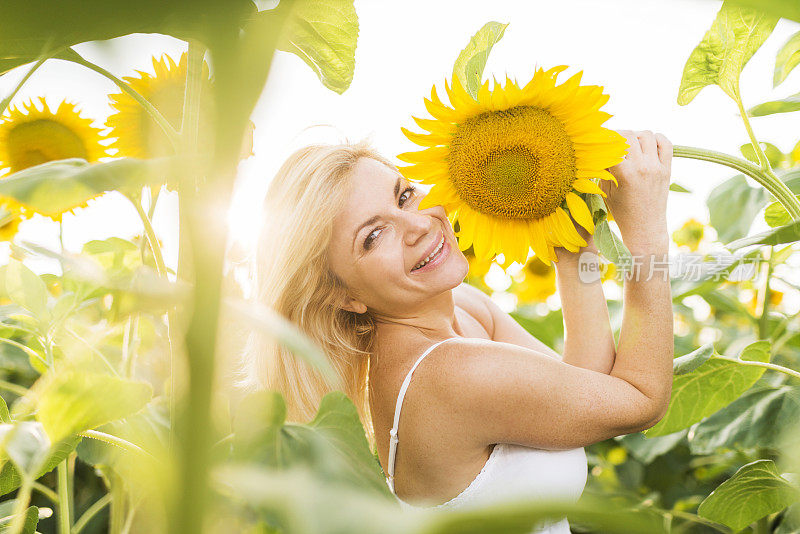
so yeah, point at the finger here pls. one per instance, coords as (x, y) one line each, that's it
(664, 150)
(634, 149)
(649, 145)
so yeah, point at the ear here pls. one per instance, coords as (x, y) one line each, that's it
(354, 305)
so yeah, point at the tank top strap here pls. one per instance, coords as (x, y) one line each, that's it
(393, 439)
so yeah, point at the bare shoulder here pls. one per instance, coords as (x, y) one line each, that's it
(474, 301)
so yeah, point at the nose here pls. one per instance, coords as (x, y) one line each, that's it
(418, 225)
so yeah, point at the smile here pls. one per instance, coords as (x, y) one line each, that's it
(433, 259)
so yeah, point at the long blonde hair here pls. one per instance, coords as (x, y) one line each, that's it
(293, 278)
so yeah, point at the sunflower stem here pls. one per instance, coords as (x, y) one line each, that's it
(7, 100)
(169, 131)
(63, 498)
(768, 181)
(151, 237)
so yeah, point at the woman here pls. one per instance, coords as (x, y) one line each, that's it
(491, 411)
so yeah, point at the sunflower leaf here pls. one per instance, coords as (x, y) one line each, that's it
(754, 491)
(785, 105)
(776, 215)
(735, 35)
(788, 233)
(323, 33)
(610, 245)
(788, 58)
(470, 63)
(58, 186)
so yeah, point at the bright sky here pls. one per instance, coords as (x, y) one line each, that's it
(636, 49)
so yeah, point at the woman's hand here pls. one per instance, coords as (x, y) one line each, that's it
(639, 203)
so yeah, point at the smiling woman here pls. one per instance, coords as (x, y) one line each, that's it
(348, 256)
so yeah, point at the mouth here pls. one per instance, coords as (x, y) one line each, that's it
(435, 254)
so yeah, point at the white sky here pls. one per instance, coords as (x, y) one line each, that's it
(636, 49)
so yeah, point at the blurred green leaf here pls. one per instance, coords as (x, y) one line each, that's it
(323, 33)
(334, 442)
(708, 387)
(789, 9)
(733, 38)
(73, 401)
(678, 188)
(549, 329)
(6, 517)
(787, 59)
(26, 289)
(733, 205)
(470, 63)
(773, 153)
(5, 417)
(791, 521)
(776, 215)
(647, 449)
(57, 186)
(788, 233)
(754, 491)
(759, 418)
(784, 105)
(609, 244)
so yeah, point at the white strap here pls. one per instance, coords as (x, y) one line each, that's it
(393, 439)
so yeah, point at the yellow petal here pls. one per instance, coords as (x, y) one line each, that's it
(429, 155)
(426, 139)
(568, 227)
(584, 185)
(580, 212)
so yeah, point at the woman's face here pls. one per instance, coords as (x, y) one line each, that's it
(380, 239)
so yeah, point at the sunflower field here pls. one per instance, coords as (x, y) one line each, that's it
(116, 414)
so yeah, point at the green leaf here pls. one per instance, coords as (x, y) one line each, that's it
(754, 491)
(789, 9)
(334, 443)
(72, 401)
(6, 517)
(788, 233)
(759, 418)
(470, 63)
(609, 244)
(776, 215)
(678, 188)
(708, 387)
(323, 33)
(689, 362)
(732, 207)
(788, 58)
(784, 105)
(647, 449)
(733, 38)
(5, 417)
(57, 186)
(26, 289)
(773, 153)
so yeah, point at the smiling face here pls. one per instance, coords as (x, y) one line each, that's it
(380, 238)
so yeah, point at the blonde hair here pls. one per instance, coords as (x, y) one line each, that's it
(294, 279)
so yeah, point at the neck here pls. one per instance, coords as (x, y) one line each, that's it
(435, 319)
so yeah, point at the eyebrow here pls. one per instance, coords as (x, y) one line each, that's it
(374, 218)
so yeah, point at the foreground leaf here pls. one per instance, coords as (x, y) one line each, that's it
(74, 401)
(610, 245)
(787, 59)
(776, 215)
(759, 418)
(731, 223)
(788, 233)
(323, 33)
(708, 387)
(784, 105)
(26, 289)
(754, 491)
(55, 187)
(6, 517)
(734, 36)
(470, 63)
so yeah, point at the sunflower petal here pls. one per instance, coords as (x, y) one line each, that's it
(429, 155)
(426, 139)
(580, 212)
(584, 185)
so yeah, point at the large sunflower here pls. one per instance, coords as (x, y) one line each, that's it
(138, 135)
(31, 136)
(508, 165)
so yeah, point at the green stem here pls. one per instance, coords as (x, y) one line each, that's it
(29, 351)
(169, 131)
(770, 182)
(762, 526)
(21, 505)
(151, 237)
(763, 160)
(90, 512)
(63, 498)
(763, 320)
(117, 505)
(47, 492)
(7, 100)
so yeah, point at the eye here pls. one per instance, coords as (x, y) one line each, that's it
(368, 242)
(411, 190)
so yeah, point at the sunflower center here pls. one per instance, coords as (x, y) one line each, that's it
(40, 141)
(517, 163)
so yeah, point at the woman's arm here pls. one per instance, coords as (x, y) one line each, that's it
(588, 339)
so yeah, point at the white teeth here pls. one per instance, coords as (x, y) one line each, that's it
(430, 256)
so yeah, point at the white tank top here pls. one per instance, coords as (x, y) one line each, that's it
(511, 471)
